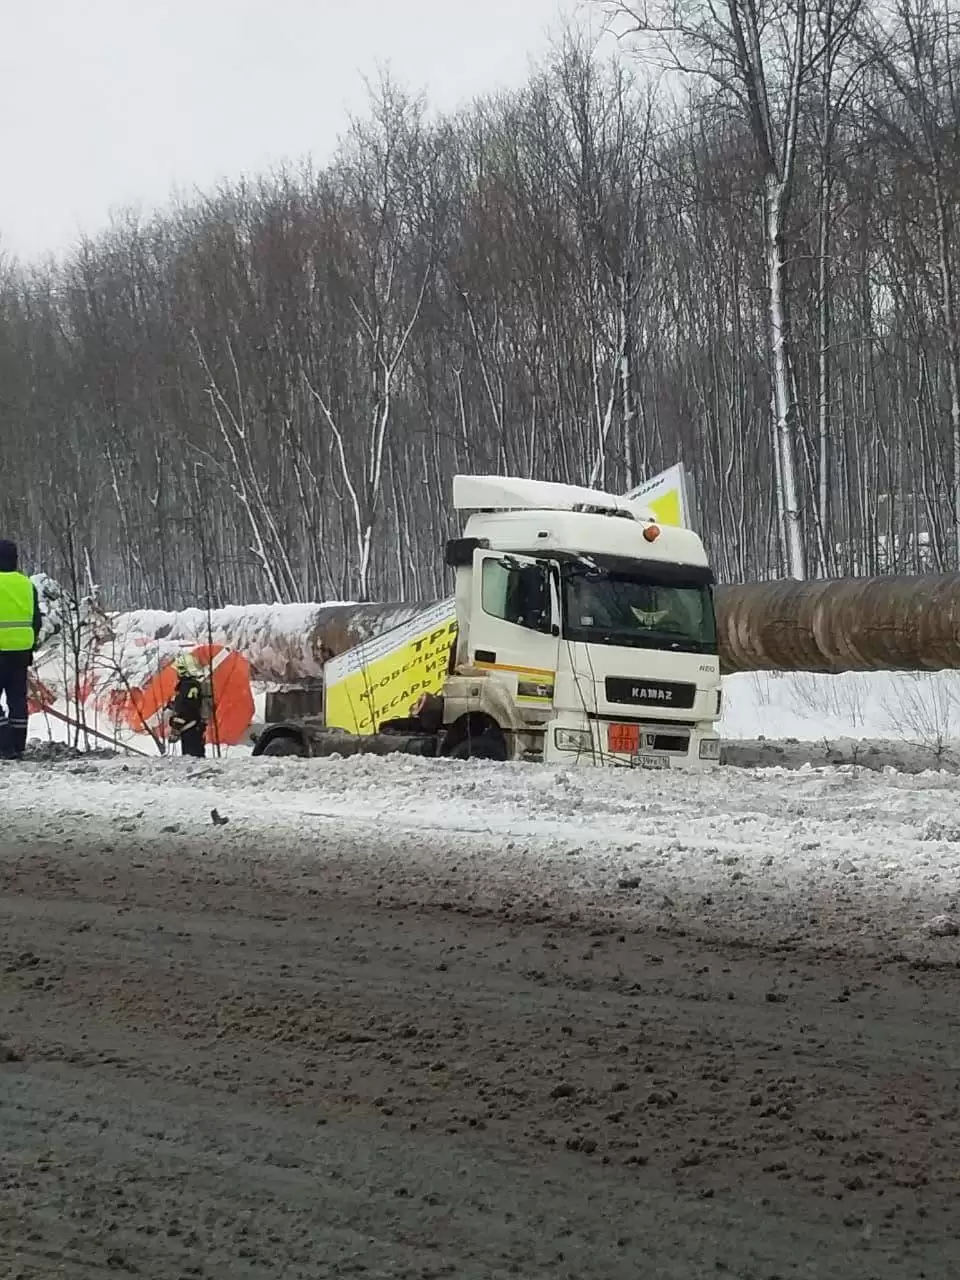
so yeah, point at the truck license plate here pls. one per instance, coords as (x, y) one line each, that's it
(651, 762)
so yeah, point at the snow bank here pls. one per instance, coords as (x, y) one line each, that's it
(922, 708)
(829, 857)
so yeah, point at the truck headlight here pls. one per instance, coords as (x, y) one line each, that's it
(573, 739)
(710, 749)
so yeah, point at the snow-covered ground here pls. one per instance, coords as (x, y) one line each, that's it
(835, 856)
(921, 709)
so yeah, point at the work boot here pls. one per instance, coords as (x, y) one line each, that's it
(13, 743)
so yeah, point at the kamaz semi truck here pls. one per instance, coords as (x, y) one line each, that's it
(581, 630)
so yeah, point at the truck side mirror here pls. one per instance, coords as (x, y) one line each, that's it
(458, 553)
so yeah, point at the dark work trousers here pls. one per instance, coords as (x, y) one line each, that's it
(13, 691)
(191, 740)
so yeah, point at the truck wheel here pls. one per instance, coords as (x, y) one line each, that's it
(283, 746)
(487, 745)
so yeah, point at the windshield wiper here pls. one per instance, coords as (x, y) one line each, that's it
(648, 640)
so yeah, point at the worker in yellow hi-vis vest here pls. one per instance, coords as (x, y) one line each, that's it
(19, 630)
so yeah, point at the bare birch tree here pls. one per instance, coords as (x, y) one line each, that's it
(916, 46)
(391, 243)
(760, 55)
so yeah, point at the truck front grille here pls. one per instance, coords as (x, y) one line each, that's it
(649, 693)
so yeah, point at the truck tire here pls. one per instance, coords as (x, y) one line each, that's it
(283, 746)
(488, 745)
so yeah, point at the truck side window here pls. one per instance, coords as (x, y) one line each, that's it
(519, 595)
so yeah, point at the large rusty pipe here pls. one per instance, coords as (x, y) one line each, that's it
(284, 643)
(841, 624)
(831, 625)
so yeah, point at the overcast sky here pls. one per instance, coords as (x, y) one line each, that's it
(106, 103)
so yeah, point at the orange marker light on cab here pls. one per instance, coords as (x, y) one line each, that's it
(651, 533)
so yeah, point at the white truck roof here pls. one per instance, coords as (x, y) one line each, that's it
(514, 493)
(536, 516)
(579, 532)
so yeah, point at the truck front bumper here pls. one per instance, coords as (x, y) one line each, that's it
(654, 745)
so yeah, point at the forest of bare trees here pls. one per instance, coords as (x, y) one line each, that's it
(735, 244)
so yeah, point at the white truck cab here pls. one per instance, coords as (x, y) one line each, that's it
(585, 629)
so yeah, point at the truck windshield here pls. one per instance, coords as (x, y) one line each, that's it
(623, 606)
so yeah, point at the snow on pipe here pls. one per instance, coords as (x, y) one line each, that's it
(283, 643)
(831, 625)
(895, 623)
